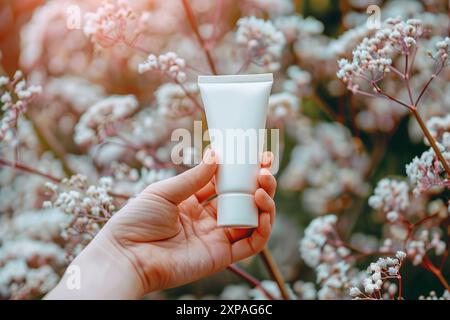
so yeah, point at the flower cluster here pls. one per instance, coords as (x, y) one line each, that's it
(264, 43)
(30, 255)
(327, 165)
(391, 197)
(15, 96)
(99, 121)
(88, 206)
(299, 81)
(424, 172)
(442, 50)
(108, 24)
(424, 242)
(372, 58)
(322, 249)
(296, 26)
(168, 63)
(439, 127)
(434, 296)
(282, 106)
(175, 101)
(384, 269)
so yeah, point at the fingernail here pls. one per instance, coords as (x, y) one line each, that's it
(267, 158)
(209, 156)
(264, 172)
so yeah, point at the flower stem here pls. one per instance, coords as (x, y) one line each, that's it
(24, 168)
(274, 272)
(430, 139)
(27, 169)
(250, 279)
(194, 25)
(427, 264)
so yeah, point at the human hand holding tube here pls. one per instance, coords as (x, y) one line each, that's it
(168, 236)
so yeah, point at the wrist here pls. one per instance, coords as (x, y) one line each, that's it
(101, 271)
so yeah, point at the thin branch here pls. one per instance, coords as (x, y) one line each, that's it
(250, 279)
(214, 36)
(427, 264)
(387, 95)
(27, 169)
(406, 79)
(434, 75)
(24, 168)
(194, 25)
(274, 272)
(431, 140)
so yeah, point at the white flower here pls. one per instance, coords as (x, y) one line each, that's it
(295, 26)
(263, 41)
(272, 288)
(442, 49)
(371, 59)
(400, 255)
(355, 292)
(315, 238)
(15, 99)
(174, 102)
(392, 216)
(299, 81)
(168, 63)
(110, 111)
(424, 172)
(282, 106)
(438, 126)
(390, 196)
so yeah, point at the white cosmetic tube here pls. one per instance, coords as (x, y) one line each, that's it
(236, 111)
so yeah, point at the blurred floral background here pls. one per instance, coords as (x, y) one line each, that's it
(90, 92)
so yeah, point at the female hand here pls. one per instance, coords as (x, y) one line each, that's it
(168, 236)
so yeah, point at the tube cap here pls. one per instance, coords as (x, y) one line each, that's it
(237, 210)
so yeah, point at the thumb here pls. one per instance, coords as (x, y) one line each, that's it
(182, 186)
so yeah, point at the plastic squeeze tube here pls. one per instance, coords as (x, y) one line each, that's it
(236, 111)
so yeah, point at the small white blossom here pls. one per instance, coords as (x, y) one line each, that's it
(174, 102)
(263, 41)
(390, 196)
(98, 121)
(168, 63)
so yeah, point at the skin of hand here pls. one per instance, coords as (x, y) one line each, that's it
(166, 237)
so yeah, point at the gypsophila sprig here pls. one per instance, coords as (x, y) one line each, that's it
(264, 43)
(391, 197)
(442, 50)
(108, 25)
(15, 97)
(169, 64)
(381, 271)
(424, 172)
(175, 101)
(89, 207)
(102, 119)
